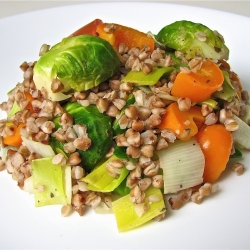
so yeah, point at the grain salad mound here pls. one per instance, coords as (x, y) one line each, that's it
(130, 131)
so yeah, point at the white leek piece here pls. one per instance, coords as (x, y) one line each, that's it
(15, 108)
(100, 179)
(152, 78)
(242, 135)
(183, 165)
(125, 212)
(37, 147)
(4, 152)
(51, 182)
(28, 185)
(246, 118)
(227, 93)
(67, 183)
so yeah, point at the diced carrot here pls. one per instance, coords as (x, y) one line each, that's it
(216, 144)
(30, 99)
(14, 140)
(184, 124)
(201, 85)
(88, 29)
(123, 34)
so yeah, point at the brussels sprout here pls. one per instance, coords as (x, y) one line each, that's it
(193, 39)
(99, 129)
(79, 63)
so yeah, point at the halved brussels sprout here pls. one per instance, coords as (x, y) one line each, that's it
(193, 39)
(99, 129)
(79, 63)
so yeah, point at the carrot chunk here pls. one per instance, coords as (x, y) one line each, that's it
(216, 144)
(14, 140)
(122, 34)
(198, 86)
(30, 99)
(184, 124)
(88, 29)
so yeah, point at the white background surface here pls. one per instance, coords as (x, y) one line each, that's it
(8, 8)
(222, 222)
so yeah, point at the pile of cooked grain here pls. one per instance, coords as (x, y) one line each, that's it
(140, 119)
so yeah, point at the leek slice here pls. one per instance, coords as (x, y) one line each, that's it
(67, 183)
(100, 179)
(51, 182)
(227, 93)
(38, 147)
(183, 165)
(211, 103)
(126, 217)
(246, 118)
(4, 152)
(242, 135)
(138, 77)
(15, 108)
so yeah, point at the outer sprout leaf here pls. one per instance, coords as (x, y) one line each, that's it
(184, 36)
(80, 63)
(99, 129)
(120, 152)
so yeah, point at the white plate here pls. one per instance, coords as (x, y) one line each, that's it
(222, 221)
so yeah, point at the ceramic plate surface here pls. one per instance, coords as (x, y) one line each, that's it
(221, 221)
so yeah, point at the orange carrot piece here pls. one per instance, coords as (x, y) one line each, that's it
(30, 99)
(183, 123)
(88, 29)
(201, 85)
(122, 34)
(14, 140)
(216, 144)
